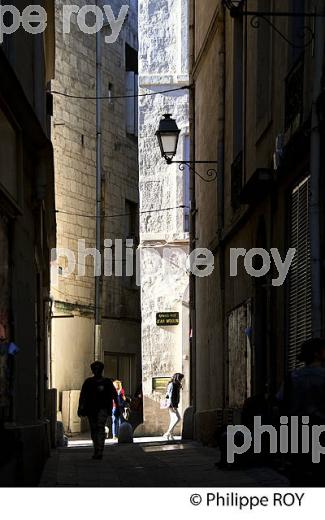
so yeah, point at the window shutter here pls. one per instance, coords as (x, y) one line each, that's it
(300, 295)
(239, 355)
(130, 113)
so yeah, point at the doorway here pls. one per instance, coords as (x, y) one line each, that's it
(121, 367)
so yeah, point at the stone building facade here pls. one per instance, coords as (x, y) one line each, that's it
(164, 231)
(254, 109)
(74, 139)
(27, 234)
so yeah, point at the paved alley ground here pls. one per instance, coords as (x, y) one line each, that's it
(149, 464)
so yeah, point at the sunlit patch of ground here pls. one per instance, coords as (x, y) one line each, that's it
(79, 442)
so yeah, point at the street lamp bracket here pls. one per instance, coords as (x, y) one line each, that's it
(168, 135)
(237, 9)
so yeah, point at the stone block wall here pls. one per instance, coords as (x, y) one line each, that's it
(163, 65)
(74, 139)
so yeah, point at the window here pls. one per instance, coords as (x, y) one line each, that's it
(131, 233)
(299, 297)
(123, 251)
(131, 219)
(132, 89)
(110, 93)
(131, 59)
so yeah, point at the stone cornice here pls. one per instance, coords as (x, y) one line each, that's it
(152, 80)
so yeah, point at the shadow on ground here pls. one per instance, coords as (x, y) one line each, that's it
(149, 464)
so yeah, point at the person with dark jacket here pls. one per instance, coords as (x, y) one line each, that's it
(303, 391)
(173, 397)
(96, 399)
(303, 395)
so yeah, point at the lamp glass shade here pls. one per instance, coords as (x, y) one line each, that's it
(168, 135)
(169, 144)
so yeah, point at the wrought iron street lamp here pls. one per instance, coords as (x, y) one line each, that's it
(168, 136)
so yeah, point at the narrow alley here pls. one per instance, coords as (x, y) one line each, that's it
(162, 254)
(149, 464)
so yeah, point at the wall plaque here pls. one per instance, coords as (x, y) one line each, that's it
(159, 384)
(167, 319)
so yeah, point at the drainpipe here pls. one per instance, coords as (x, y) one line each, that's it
(97, 338)
(221, 39)
(315, 152)
(50, 344)
(221, 32)
(193, 378)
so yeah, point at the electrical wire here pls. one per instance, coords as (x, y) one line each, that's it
(72, 96)
(62, 212)
(66, 294)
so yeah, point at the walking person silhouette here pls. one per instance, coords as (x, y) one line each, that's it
(96, 400)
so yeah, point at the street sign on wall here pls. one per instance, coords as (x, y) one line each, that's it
(167, 319)
(159, 384)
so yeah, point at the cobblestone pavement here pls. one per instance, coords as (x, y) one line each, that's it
(150, 464)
